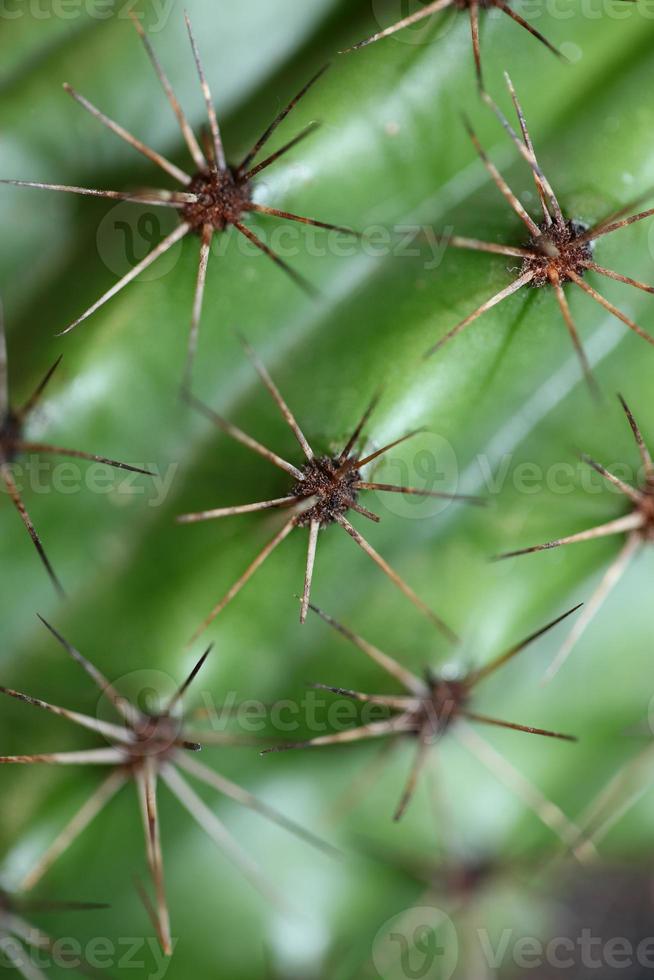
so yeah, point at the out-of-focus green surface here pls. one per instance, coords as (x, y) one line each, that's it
(391, 151)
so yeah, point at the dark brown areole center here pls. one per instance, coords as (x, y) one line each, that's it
(441, 706)
(157, 737)
(334, 484)
(646, 508)
(11, 432)
(466, 879)
(568, 253)
(222, 199)
(466, 4)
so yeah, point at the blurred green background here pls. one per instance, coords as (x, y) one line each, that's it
(391, 152)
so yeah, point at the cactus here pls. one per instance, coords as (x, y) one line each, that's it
(503, 414)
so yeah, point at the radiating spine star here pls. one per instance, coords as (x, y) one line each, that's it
(325, 489)
(147, 747)
(638, 525)
(559, 251)
(213, 198)
(13, 444)
(434, 705)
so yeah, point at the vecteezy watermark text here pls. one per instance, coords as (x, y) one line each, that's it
(421, 943)
(35, 474)
(432, 468)
(98, 953)
(432, 27)
(129, 232)
(159, 11)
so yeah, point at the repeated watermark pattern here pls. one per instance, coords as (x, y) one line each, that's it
(130, 231)
(317, 711)
(433, 467)
(385, 14)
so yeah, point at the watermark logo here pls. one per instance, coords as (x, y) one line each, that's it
(432, 468)
(418, 944)
(430, 28)
(129, 232)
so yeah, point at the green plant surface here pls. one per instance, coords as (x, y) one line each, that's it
(391, 152)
